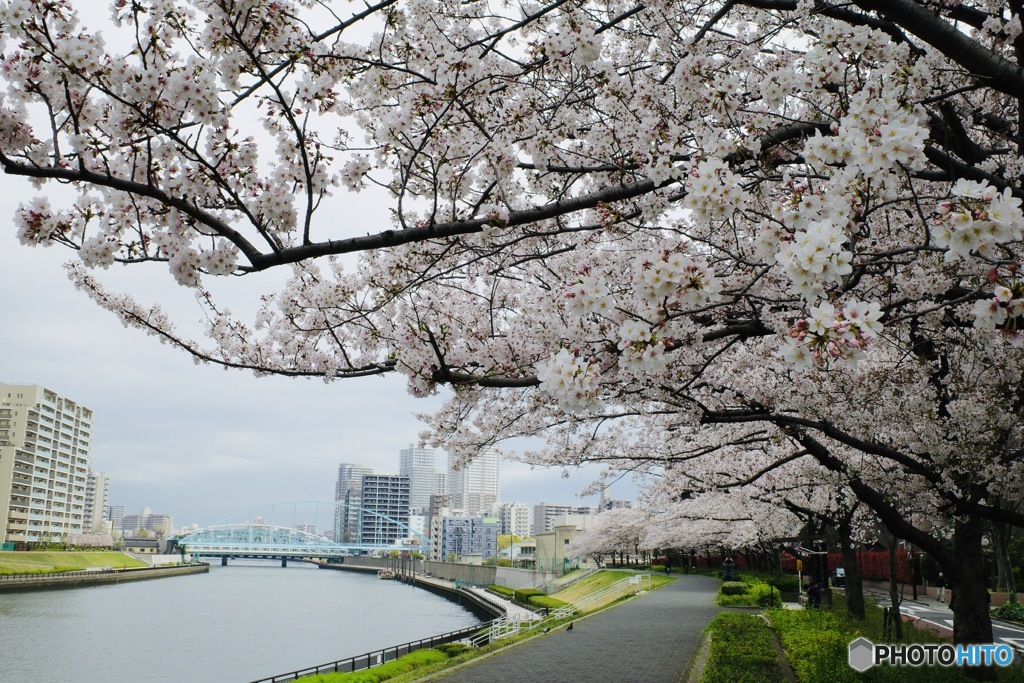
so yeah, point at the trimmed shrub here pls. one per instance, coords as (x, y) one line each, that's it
(453, 649)
(1014, 611)
(733, 588)
(741, 651)
(547, 602)
(785, 582)
(765, 595)
(816, 643)
(524, 594)
(502, 590)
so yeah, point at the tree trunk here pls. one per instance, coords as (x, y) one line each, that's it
(1002, 534)
(854, 582)
(894, 595)
(970, 599)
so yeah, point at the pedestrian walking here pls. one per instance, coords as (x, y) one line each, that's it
(940, 583)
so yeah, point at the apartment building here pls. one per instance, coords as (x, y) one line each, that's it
(97, 499)
(45, 439)
(420, 466)
(475, 486)
(384, 514)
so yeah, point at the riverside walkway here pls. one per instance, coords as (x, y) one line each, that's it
(653, 638)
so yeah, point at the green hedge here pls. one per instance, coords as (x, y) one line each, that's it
(547, 602)
(740, 594)
(817, 645)
(1014, 611)
(733, 588)
(741, 651)
(502, 590)
(524, 594)
(785, 582)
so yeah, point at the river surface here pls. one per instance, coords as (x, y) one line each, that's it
(249, 620)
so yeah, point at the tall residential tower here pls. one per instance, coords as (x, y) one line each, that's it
(44, 464)
(475, 486)
(420, 466)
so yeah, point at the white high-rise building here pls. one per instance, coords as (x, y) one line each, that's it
(420, 466)
(44, 464)
(347, 492)
(96, 502)
(544, 515)
(514, 519)
(476, 486)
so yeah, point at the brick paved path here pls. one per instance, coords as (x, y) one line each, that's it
(653, 638)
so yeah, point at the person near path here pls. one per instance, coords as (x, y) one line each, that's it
(668, 568)
(814, 595)
(727, 569)
(940, 583)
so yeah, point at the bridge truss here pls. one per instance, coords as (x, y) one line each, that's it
(259, 539)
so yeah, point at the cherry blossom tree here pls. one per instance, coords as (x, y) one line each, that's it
(621, 532)
(653, 233)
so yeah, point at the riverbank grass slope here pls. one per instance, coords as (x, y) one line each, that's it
(601, 580)
(46, 561)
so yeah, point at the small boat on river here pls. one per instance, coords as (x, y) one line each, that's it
(385, 574)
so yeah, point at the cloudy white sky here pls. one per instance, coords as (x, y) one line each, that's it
(196, 441)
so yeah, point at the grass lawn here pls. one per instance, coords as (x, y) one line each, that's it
(601, 580)
(38, 562)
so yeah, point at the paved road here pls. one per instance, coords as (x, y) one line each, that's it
(938, 615)
(653, 638)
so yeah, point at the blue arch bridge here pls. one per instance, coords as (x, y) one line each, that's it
(275, 532)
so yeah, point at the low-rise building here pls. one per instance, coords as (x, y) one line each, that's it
(142, 546)
(470, 540)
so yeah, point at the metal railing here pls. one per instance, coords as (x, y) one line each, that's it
(42, 576)
(510, 626)
(370, 659)
(613, 592)
(544, 584)
(76, 573)
(575, 577)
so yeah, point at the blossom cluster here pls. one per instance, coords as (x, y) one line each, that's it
(571, 380)
(830, 334)
(714, 192)
(588, 294)
(675, 280)
(815, 257)
(1003, 311)
(978, 218)
(642, 348)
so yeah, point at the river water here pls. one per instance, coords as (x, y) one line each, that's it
(249, 620)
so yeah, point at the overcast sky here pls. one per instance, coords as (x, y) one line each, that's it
(196, 441)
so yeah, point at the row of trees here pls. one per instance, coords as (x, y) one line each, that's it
(764, 251)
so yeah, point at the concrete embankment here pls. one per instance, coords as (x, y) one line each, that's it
(81, 579)
(477, 604)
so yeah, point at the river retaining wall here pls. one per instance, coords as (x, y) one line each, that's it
(80, 579)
